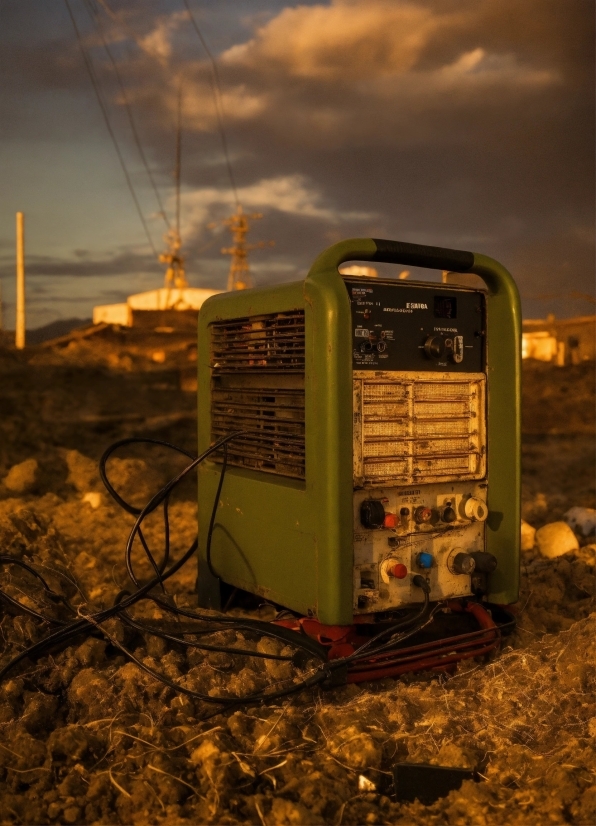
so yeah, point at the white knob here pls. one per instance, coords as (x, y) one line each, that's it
(475, 509)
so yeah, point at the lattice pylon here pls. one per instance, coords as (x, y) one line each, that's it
(239, 275)
(175, 273)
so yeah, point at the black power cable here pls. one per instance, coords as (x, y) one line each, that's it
(306, 649)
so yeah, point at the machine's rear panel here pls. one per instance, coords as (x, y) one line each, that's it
(419, 440)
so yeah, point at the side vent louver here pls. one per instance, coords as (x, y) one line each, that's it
(258, 386)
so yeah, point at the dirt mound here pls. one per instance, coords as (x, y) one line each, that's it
(86, 737)
(558, 400)
(89, 738)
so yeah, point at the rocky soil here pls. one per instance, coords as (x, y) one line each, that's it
(87, 737)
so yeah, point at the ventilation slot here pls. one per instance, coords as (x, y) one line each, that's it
(263, 342)
(258, 387)
(417, 429)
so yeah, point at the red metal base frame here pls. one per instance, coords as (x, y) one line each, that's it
(439, 655)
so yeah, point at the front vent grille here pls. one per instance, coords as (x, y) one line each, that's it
(414, 428)
(258, 387)
(260, 342)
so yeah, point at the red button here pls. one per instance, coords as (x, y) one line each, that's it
(399, 571)
(390, 520)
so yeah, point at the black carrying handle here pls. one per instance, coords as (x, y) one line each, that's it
(392, 252)
(419, 255)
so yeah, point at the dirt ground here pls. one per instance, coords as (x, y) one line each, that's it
(87, 737)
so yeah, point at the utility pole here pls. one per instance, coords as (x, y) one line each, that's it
(239, 275)
(20, 320)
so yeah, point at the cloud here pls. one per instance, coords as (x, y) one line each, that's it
(160, 41)
(126, 263)
(292, 195)
(452, 122)
(367, 73)
(342, 41)
(343, 73)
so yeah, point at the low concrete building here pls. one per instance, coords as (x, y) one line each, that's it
(560, 340)
(155, 308)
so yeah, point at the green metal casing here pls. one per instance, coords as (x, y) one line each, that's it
(290, 540)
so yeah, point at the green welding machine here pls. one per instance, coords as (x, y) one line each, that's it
(377, 426)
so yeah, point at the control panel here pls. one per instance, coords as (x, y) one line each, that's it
(436, 531)
(407, 326)
(419, 442)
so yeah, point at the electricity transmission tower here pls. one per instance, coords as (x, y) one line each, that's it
(239, 276)
(175, 274)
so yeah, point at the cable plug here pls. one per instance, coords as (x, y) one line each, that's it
(336, 674)
(420, 582)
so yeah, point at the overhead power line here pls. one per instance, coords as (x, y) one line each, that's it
(216, 89)
(104, 111)
(217, 99)
(116, 18)
(95, 17)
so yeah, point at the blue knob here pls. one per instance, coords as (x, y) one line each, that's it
(425, 560)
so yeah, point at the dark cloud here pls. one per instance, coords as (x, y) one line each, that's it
(467, 123)
(125, 263)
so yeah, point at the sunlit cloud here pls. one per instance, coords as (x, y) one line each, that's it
(159, 42)
(292, 195)
(455, 122)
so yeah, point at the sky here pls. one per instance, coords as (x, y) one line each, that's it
(457, 123)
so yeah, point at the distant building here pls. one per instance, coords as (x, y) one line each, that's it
(165, 307)
(358, 269)
(560, 340)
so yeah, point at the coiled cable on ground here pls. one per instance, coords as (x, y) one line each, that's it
(306, 649)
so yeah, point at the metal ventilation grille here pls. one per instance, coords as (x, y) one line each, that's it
(260, 342)
(414, 427)
(258, 387)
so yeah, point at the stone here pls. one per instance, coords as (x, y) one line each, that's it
(581, 520)
(22, 478)
(556, 539)
(93, 498)
(528, 536)
(82, 472)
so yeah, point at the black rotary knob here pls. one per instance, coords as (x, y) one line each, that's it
(485, 562)
(434, 347)
(372, 513)
(463, 564)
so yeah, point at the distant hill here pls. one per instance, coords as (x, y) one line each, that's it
(55, 329)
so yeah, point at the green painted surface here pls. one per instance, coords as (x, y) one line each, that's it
(265, 534)
(503, 324)
(504, 402)
(329, 437)
(292, 541)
